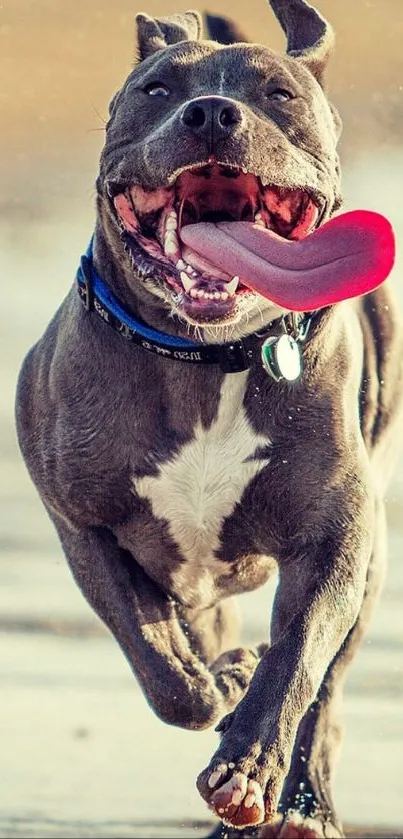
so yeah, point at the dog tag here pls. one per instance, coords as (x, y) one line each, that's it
(281, 358)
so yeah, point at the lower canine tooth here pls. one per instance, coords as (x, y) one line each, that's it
(232, 286)
(187, 282)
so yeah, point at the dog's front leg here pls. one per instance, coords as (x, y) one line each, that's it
(181, 689)
(306, 806)
(318, 600)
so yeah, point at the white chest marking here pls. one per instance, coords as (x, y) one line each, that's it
(196, 490)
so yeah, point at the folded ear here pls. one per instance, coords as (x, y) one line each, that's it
(310, 38)
(224, 30)
(156, 33)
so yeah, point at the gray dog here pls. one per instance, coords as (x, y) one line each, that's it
(180, 456)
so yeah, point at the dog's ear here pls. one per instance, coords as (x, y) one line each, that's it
(156, 33)
(224, 30)
(310, 38)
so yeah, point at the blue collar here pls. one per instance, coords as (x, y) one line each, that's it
(97, 290)
(233, 357)
(97, 297)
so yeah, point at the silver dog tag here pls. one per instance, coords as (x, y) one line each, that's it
(281, 358)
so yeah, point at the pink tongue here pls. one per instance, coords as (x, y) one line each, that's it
(350, 255)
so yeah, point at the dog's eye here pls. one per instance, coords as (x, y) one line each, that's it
(279, 95)
(156, 89)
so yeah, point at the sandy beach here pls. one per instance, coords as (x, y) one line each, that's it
(81, 753)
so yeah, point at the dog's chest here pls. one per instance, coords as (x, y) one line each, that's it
(199, 488)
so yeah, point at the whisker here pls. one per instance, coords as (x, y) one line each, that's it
(98, 114)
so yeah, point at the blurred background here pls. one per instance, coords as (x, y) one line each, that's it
(81, 752)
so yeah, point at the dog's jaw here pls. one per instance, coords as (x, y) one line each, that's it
(196, 290)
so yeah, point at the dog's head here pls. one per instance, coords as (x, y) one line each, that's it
(203, 131)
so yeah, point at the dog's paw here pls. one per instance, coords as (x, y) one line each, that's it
(232, 796)
(243, 781)
(295, 826)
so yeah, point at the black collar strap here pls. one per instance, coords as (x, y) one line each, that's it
(232, 357)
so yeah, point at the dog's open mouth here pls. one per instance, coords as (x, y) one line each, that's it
(156, 221)
(217, 239)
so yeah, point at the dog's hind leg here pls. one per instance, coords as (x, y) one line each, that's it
(306, 806)
(179, 686)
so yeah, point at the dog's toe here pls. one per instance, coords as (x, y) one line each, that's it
(236, 799)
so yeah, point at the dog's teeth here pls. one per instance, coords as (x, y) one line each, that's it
(170, 247)
(232, 286)
(187, 282)
(259, 220)
(201, 294)
(180, 265)
(189, 269)
(172, 221)
(171, 244)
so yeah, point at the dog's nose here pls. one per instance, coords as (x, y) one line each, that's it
(211, 117)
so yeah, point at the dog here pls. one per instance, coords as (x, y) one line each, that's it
(180, 459)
